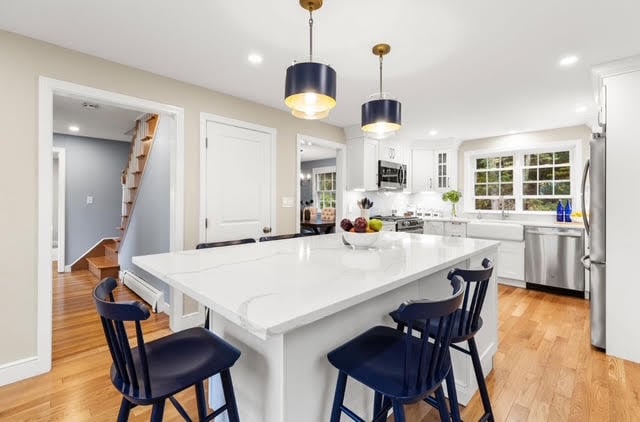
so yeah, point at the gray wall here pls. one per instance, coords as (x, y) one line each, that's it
(148, 231)
(306, 187)
(93, 169)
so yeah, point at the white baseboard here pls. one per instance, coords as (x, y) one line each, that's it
(21, 369)
(512, 283)
(67, 268)
(54, 254)
(166, 308)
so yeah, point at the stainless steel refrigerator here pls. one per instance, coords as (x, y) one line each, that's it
(594, 222)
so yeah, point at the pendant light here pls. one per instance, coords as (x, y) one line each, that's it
(310, 87)
(381, 115)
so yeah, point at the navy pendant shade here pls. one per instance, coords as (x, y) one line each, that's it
(381, 116)
(310, 89)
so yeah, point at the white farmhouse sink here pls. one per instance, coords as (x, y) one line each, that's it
(495, 230)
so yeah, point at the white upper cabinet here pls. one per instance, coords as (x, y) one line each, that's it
(390, 151)
(362, 164)
(421, 171)
(433, 170)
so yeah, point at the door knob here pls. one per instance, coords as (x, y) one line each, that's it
(266, 229)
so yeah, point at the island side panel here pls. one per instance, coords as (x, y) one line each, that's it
(258, 376)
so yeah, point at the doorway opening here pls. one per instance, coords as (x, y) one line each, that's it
(41, 362)
(321, 185)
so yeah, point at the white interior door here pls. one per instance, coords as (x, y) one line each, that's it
(239, 183)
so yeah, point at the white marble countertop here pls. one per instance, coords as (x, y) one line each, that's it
(274, 287)
(573, 225)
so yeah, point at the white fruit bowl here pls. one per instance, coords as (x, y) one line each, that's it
(360, 240)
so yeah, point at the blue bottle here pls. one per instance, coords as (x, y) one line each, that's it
(567, 212)
(560, 212)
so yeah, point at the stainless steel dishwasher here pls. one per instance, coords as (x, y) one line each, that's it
(552, 257)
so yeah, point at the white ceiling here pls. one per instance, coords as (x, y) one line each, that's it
(466, 68)
(310, 152)
(105, 122)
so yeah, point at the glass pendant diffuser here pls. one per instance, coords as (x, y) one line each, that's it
(381, 115)
(310, 87)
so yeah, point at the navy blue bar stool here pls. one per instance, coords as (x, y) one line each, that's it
(399, 367)
(153, 372)
(466, 324)
(218, 245)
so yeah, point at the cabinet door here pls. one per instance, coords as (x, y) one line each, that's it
(434, 227)
(422, 170)
(455, 229)
(444, 170)
(391, 152)
(511, 260)
(370, 155)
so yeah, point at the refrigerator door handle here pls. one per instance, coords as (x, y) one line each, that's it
(586, 262)
(585, 174)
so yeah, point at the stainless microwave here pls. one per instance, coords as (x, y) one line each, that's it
(391, 175)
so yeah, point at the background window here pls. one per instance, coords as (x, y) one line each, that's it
(546, 178)
(325, 189)
(493, 183)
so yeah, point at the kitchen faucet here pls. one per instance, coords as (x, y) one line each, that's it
(503, 214)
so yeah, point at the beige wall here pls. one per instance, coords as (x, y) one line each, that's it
(22, 61)
(522, 140)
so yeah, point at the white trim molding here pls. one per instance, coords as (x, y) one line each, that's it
(47, 87)
(62, 186)
(340, 169)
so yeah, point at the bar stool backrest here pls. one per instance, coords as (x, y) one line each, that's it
(224, 243)
(438, 314)
(477, 283)
(113, 314)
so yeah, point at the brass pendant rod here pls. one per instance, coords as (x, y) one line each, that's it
(380, 75)
(310, 33)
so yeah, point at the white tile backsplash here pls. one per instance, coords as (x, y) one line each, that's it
(385, 202)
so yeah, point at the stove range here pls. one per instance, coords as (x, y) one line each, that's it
(404, 224)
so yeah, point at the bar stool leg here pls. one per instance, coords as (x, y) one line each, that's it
(453, 396)
(398, 412)
(201, 401)
(482, 386)
(442, 405)
(229, 396)
(157, 412)
(341, 386)
(125, 409)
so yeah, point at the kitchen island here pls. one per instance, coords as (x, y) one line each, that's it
(286, 303)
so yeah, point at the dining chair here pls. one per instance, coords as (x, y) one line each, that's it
(155, 371)
(467, 322)
(218, 245)
(398, 366)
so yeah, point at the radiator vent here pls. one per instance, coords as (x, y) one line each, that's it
(148, 293)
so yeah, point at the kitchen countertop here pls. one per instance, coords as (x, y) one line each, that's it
(554, 224)
(274, 287)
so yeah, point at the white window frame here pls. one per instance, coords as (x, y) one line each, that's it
(321, 170)
(575, 159)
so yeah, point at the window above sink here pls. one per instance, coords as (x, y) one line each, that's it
(528, 180)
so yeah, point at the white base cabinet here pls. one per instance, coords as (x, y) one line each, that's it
(511, 260)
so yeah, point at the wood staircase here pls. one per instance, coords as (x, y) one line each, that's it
(102, 260)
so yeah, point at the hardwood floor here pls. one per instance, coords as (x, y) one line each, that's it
(545, 368)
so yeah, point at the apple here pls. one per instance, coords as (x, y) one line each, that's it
(360, 224)
(346, 224)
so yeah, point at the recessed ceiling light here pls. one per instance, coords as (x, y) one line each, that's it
(581, 109)
(74, 128)
(568, 61)
(433, 132)
(255, 58)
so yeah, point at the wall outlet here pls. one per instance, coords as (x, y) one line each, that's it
(89, 200)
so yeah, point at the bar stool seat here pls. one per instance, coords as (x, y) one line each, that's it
(399, 367)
